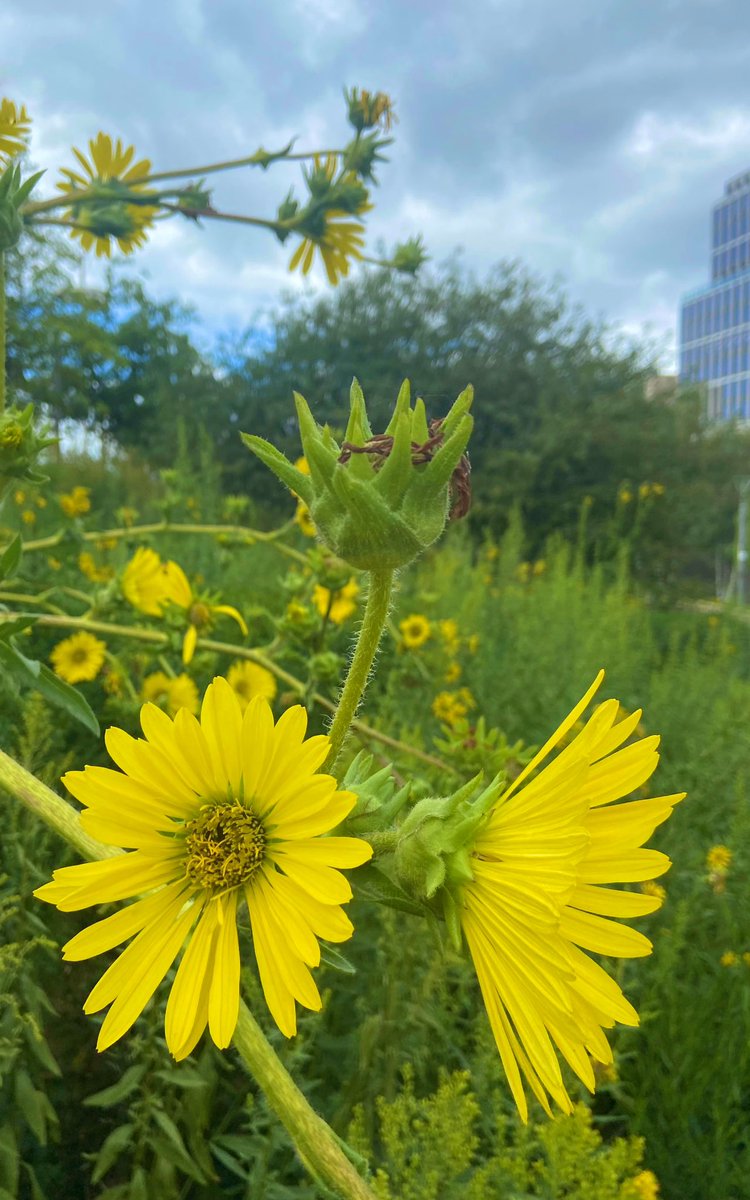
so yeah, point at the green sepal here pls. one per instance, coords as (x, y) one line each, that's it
(280, 465)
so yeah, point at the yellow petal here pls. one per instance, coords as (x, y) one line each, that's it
(224, 997)
(187, 1006)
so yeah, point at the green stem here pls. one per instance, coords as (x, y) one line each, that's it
(314, 1139)
(240, 532)
(376, 612)
(2, 330)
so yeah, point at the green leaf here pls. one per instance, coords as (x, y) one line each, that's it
(174, 1149)
(28, 1100)
(334, 958)
(124, 1087)
(111, 1150)
(8, 1162)
(59, 693)
(12, 625)
(10, 558)
(139, 1185)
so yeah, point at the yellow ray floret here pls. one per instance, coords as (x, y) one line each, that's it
(536, 902)
(215, 813)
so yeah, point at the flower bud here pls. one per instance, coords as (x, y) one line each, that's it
(379, 501)
(13, 193)
(378, 799)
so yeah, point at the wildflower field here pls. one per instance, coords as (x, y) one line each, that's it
(360, 842)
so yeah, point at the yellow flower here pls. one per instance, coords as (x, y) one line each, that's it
(415, 631)
(644, 491)
(40, 502)
(88, 567)
(338, 605)
(472, 643)
(15, 127)
(213, 814)
(147, 583)
(523, 572)
(28, 516)
(450, 707)
(644, 1186)
(651, 888)
(302, 465)
(79, 658)
(19, 496)
(728, 959)
(248, 680)
(535, 903)
(624, 495)
(54, 563)
(453, 673)
(77, 502)
(113, 682)
(304, 520)
(449, 633)
(337, 240)
(539, 567)
(109, 173)
(658, 489)
(719, 858)
(746, 958)
(199, 613)
(171, 692)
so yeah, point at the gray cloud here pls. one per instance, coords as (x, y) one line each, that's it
(587, 139)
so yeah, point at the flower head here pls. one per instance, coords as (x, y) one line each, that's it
(644, 1186)
(79, 658)
(213, 814)
(248, 680)
(719, 858)
(199, 612)
(147, 582)
(88, 566)
(338, 604)
(108, 213)
(415, 631)
(15, 128)
(77, 502)
(171, 692)
(379, 500)
(368, 109)
(304, 520)
(535, 901)
(729, 959)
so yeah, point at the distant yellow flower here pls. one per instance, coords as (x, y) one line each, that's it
(304, 520)
(15, 128)
(171, 692)
(539, 567)
(228, 811)
(450, 707)
(337, 238)
(19, 496)
(87, 565)
(40, 501)
(109, 165)
(719, 858)
(79, 658)
(28, 516)
(746, 958)
(248, 680)
(651, 888)
(658, 489)
(644, 491)
(645, 1186)
(472, 643)
(113, 682)
(302, 465)
(728, 959)
(77, 502)
(453, 672)
(200, 613)
(54, 563)
(147, 583)
(523, 572)
(449, 634)
(415, 631)
(534, 907)
(339, 605)
(624, 495)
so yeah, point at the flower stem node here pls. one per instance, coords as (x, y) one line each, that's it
(378, 501)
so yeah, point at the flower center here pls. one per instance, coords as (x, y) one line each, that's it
(225, 844)
(200, 615)
(79, 656)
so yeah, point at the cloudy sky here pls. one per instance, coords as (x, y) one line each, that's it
(587, 139)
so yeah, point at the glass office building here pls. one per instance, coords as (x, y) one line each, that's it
(715, 324)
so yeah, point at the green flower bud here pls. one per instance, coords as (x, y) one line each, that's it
(13, 193)
(432, 857)
(20, 447)
(409, 256)
(362, 153)
(378, 799)
(379, 501)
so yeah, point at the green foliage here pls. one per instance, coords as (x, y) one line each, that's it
(432, 1149)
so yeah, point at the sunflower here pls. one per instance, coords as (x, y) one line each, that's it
(146, 582)
(171, 692)
(79, 658)
(535, 902)
(337, 242)
(248, 679)
(415, 631)
(77, 502)
(15, 127)
(110, 174)
(199, 612)
(213, 814)
(337, 605)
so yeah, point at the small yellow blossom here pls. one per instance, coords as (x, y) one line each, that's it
(297, 613)
(719, 858)
(624, 495)
(28, 516)
(645, 1186)
(106, 543)
(53, 563)
(171, 692)
(450, 707)
(40, 501)
(147, 583)
(302, 465)
(304, 520)
(77, 502)
(338, 605)
(651, 888)
(539, 567)
(746, 958)
(19, 496)
(415, 631)
(449, 634)
(249, 679)
(87, 565)
(113, 682)
(109, 164)
(728, 959)
(453, 672)
(79, 658)
(523, 572)
(657, 489)
(472, 643)
(644, 491)
(199, 612)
